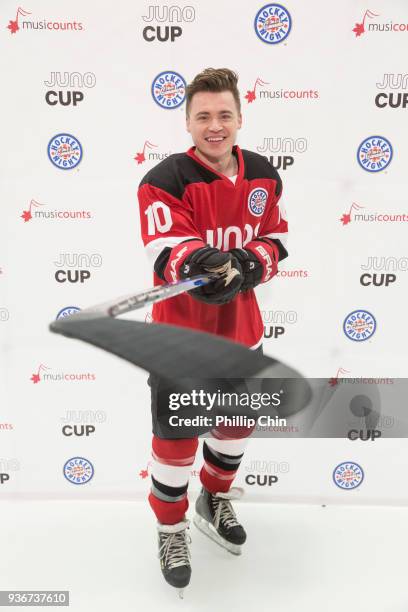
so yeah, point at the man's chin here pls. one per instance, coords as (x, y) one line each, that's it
(213, 154)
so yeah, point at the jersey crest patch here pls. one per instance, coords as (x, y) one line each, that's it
(257, 201)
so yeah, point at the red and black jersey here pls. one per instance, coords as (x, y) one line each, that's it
(182, 198)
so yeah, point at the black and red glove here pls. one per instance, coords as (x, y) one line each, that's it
(259, 262)
(193, 257)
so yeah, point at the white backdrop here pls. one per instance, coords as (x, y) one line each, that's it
(84, 224)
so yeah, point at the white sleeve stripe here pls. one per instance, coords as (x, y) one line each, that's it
(282, 237)
(155, 247)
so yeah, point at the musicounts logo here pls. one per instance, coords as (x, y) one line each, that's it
(279, 94)
(376, 217)
(155, 156)
(41, 375)
(28, 24)
(54, 215)
(335, 379)
(377, 25)
(293, 274)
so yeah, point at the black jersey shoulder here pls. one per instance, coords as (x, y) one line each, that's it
(174, 173)
(258, 166)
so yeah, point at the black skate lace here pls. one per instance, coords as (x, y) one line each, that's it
(174, 549)
(224, 513)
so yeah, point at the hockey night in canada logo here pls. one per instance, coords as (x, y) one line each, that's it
(78, 470)
(64, 151)
(359, 325)
(348, 475)
(169, 89)
(374, 154)
(35, 211)
(273, 23)
(370, 23)
(23, 22)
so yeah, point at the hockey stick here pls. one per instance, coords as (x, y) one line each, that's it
(134, 301)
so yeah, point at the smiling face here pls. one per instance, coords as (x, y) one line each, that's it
(213, 123)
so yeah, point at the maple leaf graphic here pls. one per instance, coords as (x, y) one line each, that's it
(143, 473)
(27, 213)
(345, 219)
(251, 93)
(13, 26)
(250, 96)
(359, 29)
(140, 158)
(36, 377)
(333, 382)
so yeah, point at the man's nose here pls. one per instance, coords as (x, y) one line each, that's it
(215, 125)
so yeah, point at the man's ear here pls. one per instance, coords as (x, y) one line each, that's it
(239, 121)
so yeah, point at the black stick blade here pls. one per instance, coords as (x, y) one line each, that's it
(170, 351)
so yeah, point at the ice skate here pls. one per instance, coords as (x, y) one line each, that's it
(174, 554)
(216, 518)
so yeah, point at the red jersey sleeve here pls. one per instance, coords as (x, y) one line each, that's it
(165, 221)
(270, 246)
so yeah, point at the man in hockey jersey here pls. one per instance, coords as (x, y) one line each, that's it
(214, 207)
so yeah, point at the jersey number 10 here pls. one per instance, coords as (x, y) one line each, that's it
(154, 222)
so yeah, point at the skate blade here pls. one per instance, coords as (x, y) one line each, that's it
(204, 527)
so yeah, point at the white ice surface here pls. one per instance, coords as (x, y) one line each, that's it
(297, 558)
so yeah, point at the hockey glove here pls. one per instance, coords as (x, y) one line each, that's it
(251, 268)
(209, 259)
(258, 262)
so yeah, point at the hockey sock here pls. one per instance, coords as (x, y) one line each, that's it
(171, 465)
(222, 459)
